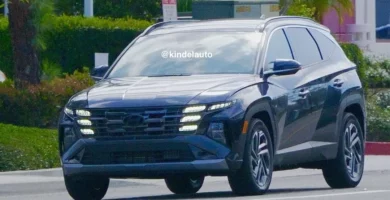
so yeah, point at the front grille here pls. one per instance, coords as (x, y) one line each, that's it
(136, 121)
(136, 157)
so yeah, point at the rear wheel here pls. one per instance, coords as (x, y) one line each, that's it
(255, 175)
(346, 170)
(184, 184)
(87, 187)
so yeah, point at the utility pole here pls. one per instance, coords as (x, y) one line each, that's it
(88, 8)
(6, 8)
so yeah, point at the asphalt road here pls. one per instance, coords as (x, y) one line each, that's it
(286, 185)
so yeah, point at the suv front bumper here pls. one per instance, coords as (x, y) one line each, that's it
(148, 158)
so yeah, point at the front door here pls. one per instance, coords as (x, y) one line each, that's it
(296, 123)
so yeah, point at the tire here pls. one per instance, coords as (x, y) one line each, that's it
(346, 171)
(184, 184)
(87, 188)
(255, 175)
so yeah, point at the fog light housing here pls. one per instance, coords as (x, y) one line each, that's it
(87, 131)
(216, 132)
(69, 138)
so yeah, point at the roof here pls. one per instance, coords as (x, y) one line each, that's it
(243, 25)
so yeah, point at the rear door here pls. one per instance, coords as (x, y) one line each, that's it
(331, 80)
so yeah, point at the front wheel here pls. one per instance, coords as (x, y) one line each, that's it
(254, 177)
(346, 170)
(87, 187)
(184, 184)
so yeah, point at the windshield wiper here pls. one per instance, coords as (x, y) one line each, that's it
(163, 75)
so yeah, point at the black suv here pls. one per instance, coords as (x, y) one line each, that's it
(236, 98)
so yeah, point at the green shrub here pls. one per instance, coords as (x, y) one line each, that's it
(140, 9)
(378, 73)
(355, 54)
(72, 41)
(27, 148)
(39, 106)
(378, 116)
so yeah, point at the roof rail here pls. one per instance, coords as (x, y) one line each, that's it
(271, 19)
(162, 24)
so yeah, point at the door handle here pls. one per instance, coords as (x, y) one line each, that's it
(338, 83)
(303, 93)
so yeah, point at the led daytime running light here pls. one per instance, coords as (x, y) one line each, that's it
(83, 113)
(194, 109)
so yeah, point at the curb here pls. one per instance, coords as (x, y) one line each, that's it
(30, 171)
(377, 148)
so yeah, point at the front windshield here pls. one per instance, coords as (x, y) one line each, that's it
(189, 53)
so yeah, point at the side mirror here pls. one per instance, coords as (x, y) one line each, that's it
(98, 72)
(283, 67)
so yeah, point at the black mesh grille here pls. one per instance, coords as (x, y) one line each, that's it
(136, 121)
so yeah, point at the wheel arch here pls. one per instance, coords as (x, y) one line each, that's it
(262, 110)
(358, 112)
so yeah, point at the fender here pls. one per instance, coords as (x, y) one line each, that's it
(261, 105)
(353, 97)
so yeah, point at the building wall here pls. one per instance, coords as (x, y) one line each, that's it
(373, 14)
(338, 29)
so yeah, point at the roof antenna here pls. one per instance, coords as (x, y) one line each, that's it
(262, 16)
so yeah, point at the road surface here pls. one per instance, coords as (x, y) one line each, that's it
(286, 185)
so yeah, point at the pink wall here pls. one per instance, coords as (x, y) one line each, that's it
(331, 20)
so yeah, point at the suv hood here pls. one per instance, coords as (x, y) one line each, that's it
(164, 91)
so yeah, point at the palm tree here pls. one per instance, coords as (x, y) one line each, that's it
(27, 20)
(322, 7)
(25, 55)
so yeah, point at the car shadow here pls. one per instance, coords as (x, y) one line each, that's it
(225, 194)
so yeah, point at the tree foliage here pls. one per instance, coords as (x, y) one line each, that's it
(138, 9)
(301, 9)
(321, 7)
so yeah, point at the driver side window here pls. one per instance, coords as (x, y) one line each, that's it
(278, 48)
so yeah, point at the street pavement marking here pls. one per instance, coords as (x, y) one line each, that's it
(326, 195)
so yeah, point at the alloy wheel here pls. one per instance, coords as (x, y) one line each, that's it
(353, 151)
(260, 158)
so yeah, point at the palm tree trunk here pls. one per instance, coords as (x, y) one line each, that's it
(25, 55)
(285, 5)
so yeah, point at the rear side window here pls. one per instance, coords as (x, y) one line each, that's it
(305, 49)
(278, 48)
(326, 45)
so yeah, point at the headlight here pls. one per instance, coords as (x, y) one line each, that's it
(68, 111)
(83, 113)
(194, 109)
(221, 105)
(191, 118)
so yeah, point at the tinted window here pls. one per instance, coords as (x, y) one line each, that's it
(189, 53)
(305, 49)
(278, 48)
(326, 45)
